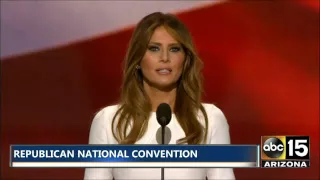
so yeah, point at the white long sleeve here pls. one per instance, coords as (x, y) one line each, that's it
(101, 133)
(98, 135)
(219, 135)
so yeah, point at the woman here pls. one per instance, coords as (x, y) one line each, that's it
(161, 66)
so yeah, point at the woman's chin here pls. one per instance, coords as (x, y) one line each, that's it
(166, 86)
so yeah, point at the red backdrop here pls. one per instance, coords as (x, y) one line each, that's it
(261, 68)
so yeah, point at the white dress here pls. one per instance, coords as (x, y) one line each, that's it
(218, 133)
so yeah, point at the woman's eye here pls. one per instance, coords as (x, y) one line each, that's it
(175, 49)
(153, 48)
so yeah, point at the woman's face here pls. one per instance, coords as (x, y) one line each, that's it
(163, 60)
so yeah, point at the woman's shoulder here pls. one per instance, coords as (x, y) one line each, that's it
(107, 110)
(216, 117)
(100, 131)
(218, 127)
(212, 109)
(105, 114)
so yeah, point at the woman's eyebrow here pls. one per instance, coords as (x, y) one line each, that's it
(159, 44)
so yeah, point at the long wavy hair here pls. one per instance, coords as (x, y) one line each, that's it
(130, 122)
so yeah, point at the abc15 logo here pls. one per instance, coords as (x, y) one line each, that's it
(285, 147)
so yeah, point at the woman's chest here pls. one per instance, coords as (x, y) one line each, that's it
(155, 173)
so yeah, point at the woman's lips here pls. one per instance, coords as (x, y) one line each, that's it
(164, 70)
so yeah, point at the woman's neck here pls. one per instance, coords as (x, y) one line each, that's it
(158, 96)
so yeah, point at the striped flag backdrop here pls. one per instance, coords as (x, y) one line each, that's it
(61, 62)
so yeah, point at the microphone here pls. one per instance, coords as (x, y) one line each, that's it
(167, 135)
(164, 114)
(163, 117)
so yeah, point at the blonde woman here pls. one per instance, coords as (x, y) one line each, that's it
(161, 66)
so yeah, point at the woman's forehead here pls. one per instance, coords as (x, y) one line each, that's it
(161, 35)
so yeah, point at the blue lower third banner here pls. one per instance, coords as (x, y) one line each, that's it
(123, 156)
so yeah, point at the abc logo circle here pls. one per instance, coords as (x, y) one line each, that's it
(273, 147)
